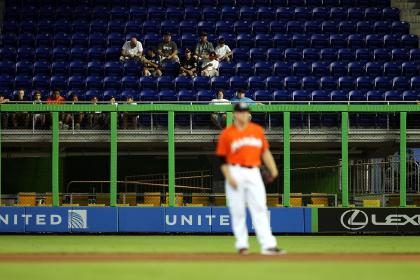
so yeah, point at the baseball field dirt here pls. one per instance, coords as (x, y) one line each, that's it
(206, 257)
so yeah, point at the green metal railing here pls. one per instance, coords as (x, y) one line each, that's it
(171, 109)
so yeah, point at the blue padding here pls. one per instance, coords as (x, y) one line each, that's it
(221, 221)
(144, 219)
(11, 219)
(287, 220)
(93, 219)
(184, 219)
(46, 219)
(308, 219)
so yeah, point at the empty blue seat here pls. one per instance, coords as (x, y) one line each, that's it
(201, 83)
(248, 13)
(356, 13)
(111, 82)
(415, 54)
(96, 54)
(338, 68)
(391, 40)
(167, 95)
(155, 13)
(44, 40)
(295, 27)
(321, 12)
(364, 54)
(274, 82)
(94, 82)
(263, 68)
(275, 54)
(400, 54)
(116, 25)
(244, 68)
(374, 69)
(40, 81)
(230, 13)
(183, 83)
(400, 27)
(357, 95)
(393, 95)
(302, 13)
(129, 82)
(282, 95)
(328, 83)
(347, 27)
(401, 83)
(346, 83)
(205, 95)
(390, 13)
(310, 83)
(356, 41)
(338, 40)
(328, 54)
(238, 82)
(257, 54)
(301, 95)
(415, 83)
(364, 83)
(25, 53)
(89, 95)
(244, 41)
(59, 68)
(320, 95)
(224, 26)
(76, 83)
(165, 82)
(382, 27)
(95, 68)
(330, 27)
(301, 68)
(263, 95)
(187, 95)
(148, 82)
(410, 41)
(410, 68)
(220, 82)
(77, 68)
(310, 54)
(300, 41)
(256, 82)
(263, 41)
(374, 41)
(58, 82)
(282, 68)
(364, 27)
(382, 83)
(78, 53)
(282, 40)
(278, 26)
(375, 95)
(41, 67)
(211, 13)
(313, 26)
(356, 68)
(292, 83)
(227, 68)
(265, 13)
(410, 95)
(207, 26)
(339, 95)
(149, 95)
(382, 54)
(392, 69)
(346, 55)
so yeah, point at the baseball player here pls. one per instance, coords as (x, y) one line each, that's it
(240, 150)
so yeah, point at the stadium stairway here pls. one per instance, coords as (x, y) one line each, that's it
(410, 12)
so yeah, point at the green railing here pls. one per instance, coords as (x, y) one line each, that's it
(171, 109)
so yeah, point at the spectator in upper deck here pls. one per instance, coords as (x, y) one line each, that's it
(168, 49)
(95, 119)
(204, 47)
(219, 118)
(38, 118)
(20, 118)
(188, 64)
(210, 66)
(241, 98)
(223, 51)
(151, 64)
(130, 116)
(132, 49)
(56, 98)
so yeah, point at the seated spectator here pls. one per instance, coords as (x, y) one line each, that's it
(219, 118)
(168, 49)
(74, 119)
(204, 47)
(107, 117)
(132, 49)
(188, 64)
(223, 52)
(4, 116)
(130, 116)
(151, 64)
(56, 98)
(38, 118)
(240, 97)
(210, 67)
(95, 119)
(20, 118)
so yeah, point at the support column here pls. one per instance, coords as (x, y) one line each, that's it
(344, 159)
(55, 160)
(228, 118)
(171, 158)
(1, 123)
(403, 159)
(286, 159)
(113, 160)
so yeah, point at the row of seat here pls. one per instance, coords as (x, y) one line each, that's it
(218, 27)
(203, 83)
(99, 40)
(221, 13)
(262, 68)
(257, 95)
(239, 54)
(62, 5)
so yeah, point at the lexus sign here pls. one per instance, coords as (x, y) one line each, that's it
(369, 220)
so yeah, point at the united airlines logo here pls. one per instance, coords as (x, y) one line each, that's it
(77, 219)
(245, 141)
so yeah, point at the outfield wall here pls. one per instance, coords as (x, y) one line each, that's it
(204, 220)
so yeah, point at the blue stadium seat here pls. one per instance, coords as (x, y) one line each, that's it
(116, 25)
(58, 82)
(374, 69)
(275, 54)
(274, 82)
(310, 83)
(113, 68)
(339, 95)
(77, 68)
(278, 27)
(95, 68)
(76, 83)
(310, 54)
(248, 13)
(382, 83)
(43, 40)
(357, 95)
(224, 26)
(364, 54)
(79, 39)
(244, 41)
(167, 95)
(401, 83)
(130, 82)
(8, 53)
(41, 67)
(393, 95)
(330, 27)
(282, 95)
(328, 83)
(193, 12)
(347, 27)
(382, 54)
(148, 82)
(149, 95)
(59, 68)
(206, 26)
(364, 83)
(300, 41)
(301, 95)
(211, 13)
(263, 68)
(338, 68)
(187, 95)
(292, 83)
(96, 54)
(256, 83)
(25, 53)
(400, 27)
(301, 68)
(375, 95)
(415, 83)
(205, 95)
(410, 95)
(390, 13)
(392, 41)
(220, 82)
(40, 81)
(338, 41)
(382, 27)
(155, 13)
(115, 39)
(392, 69)
(400, 54)
(414, 54)
(346, 83)
(183, 83)
(328, 54)
(257, 54)
(265, 13)
(374, 41)
(320, 95)
(263, 95)
(320, 68)
(364, 27)
(346, 55)
(91, 94)
(313, 26)
(284, 12)
(165, 82)
(238, 82)
(227, 68)
(410, 68)
(263, 41)
(201, 83)
(356, 41)
(230, 13)
(111, 82)
(410, 41)
(244, 68)
(356, 68)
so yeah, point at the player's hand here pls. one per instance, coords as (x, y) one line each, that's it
(232, 183)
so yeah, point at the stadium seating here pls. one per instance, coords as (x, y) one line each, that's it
(317, 50)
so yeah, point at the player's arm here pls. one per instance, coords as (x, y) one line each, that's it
(224, 167)
(270, 163)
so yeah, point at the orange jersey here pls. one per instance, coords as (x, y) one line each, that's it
(242, 147)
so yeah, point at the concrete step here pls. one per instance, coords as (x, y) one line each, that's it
(415, 31)
(411, 18)
(409, 12)
(404, 5)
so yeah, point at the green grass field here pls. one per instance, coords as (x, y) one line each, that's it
(174, 270)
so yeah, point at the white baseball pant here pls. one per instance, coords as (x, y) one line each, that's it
(250, 192)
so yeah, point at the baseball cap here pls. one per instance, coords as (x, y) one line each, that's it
(202, 34)
(241, 107)
(167, 33)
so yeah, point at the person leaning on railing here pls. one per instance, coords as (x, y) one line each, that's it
(133, 116)
(38, 118)
(4, 116)
(219, 118)
(56, 98)
(74, 117)
(19, 118)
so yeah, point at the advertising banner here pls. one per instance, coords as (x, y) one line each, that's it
(385, 220)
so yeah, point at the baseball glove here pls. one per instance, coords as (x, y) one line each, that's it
(266, 175)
